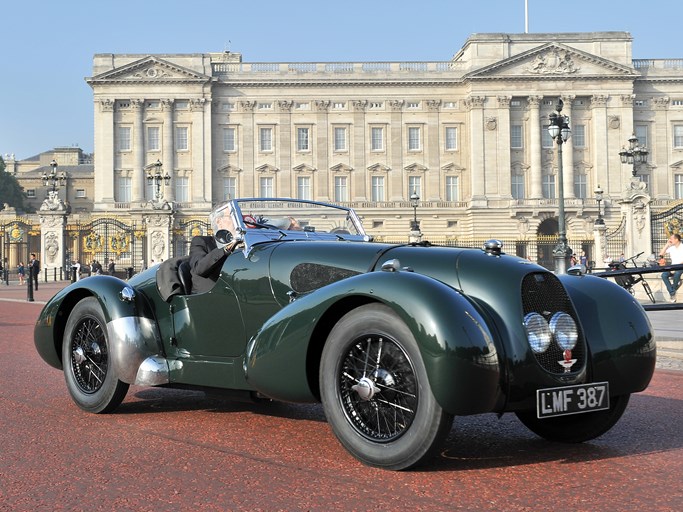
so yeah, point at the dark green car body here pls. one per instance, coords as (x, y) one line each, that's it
(264, 325)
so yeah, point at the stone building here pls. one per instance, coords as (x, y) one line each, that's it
(468, 136)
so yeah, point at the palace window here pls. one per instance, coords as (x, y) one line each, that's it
(517, 186)
(377, 138)
(546, 139)
(80, 193)
(123, 138)
(341, 189)
(548, 186)
(182, 189)
(378, 188)
(678, 186)
(267, 186)
(580, 186)
(516, 137)
(641, 133)
(303, 187)
(414, 143)
(579, 135)
(340, 139)
(229, 139)
(123, 189)
(678, 135)
(451, 138)
(229, 188)
(265, 139)
(181, 139)
(152, 138)
(303, 139)
(452, 190)
(415, 185)
(30, 192)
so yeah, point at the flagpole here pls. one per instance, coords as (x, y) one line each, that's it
(526, 16)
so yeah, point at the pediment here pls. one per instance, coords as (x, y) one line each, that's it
(150, 69)
(341, 168)
(379, 168)
(415, 167)
(452, 167)
(267, 168)
(304, 168)
(228, 169)
(550, 61)
(677, 165)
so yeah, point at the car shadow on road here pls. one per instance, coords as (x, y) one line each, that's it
(475, 442)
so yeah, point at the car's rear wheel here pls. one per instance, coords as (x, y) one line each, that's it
(375, 391)
(576, 428)
(88, 370)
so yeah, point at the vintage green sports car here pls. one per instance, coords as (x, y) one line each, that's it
(394, 340)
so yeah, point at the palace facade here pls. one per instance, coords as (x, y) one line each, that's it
(468, 136)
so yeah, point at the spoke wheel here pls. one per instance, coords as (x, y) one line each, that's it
(88, 370)
(648, 291)
(375, 391)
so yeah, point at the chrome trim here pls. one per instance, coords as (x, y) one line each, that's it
(132, 339)
(493, 247)
(393, 265)
(127, 294)
(154, 371)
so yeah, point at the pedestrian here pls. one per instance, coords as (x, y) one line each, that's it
(34, 269)
(77, 270)
(672, 279)
(111, 267)
(21, 272)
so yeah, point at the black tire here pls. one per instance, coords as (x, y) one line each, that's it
(576, 428)
(88, 370)
(391, 420)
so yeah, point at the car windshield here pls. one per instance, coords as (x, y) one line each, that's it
(296, 217)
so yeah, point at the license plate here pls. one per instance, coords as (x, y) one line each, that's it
(552, 402)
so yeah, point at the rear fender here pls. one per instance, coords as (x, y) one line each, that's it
(454, 340)
(131, 326)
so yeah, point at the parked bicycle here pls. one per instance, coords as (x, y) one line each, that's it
(628, 281)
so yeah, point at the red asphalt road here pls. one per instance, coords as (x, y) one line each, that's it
(180, 450)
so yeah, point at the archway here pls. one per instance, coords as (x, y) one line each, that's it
(547, 235)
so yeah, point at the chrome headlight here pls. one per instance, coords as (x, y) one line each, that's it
(538, 332)
(564, 330)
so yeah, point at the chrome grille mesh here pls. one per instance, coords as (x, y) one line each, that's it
(543, 293)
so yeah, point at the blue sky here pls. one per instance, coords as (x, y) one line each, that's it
(46, 47)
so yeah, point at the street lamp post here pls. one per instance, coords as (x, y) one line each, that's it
(53, 179)
(598, 197)
(415, 234)
(635, 154)
(559, 131)
(157, 178)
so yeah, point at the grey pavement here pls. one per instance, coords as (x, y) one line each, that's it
(668, 325)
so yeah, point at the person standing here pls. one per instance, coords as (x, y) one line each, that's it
(34, 269)
(111, 267)
(21, 272)
(672, 280)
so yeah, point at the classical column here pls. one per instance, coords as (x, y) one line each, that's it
(504, 171)
(535, 146)
(201, 180)
(433, 188)
(248, 149)
(104, 153)
(395, 147)
(167, 151)
(357, 189)
(284, 154)
(475, 105)
(322, 162)
(568, 151)
(659, 181)
(138, 184)
(601, 154)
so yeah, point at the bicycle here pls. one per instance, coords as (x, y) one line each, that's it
(628, 281)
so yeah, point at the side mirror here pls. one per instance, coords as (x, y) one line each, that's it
(577, 270)
(223, 236)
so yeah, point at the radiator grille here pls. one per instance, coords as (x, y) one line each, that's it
(543, 293)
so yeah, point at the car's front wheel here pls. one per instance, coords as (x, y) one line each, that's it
(375, 391)
(90, 376)
(576, 428)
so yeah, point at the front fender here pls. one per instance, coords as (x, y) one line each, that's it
(131, 327)
(454, 341)
(617, 330)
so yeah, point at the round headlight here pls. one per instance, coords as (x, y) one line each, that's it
(564, 330)
(538, 332)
